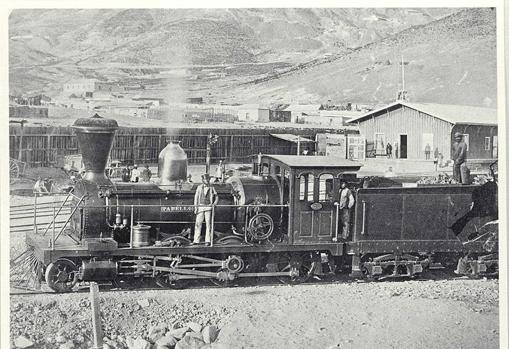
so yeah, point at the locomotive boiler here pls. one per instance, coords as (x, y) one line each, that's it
(282, 222)
(160, 210)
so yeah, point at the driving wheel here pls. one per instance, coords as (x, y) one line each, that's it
(299, 266)
(169, 280)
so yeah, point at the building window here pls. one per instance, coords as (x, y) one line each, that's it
(380, 143)
(487, 143)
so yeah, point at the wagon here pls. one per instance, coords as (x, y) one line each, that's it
(16, 169)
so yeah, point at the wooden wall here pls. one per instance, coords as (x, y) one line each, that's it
(476, 140)
(46, 146)
(404, 120)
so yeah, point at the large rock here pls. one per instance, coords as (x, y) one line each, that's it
(195, 335)
(143, 302)
(194, 326)
(60, 339)
(67, 345)
(178, 332)
(209, 333)
(213, 346)
(166, 341)
(189, 342)
(156, 332)
(138, 343)
(23, 342)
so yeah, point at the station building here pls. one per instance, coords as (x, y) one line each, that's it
(410, 127)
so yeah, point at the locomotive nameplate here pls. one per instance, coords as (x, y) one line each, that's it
(316, 206)
(177, 208)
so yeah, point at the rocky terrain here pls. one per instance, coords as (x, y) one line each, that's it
(457, 313)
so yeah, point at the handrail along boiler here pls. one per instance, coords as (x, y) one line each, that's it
(280, 222)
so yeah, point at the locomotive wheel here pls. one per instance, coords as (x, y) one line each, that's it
(168, 280)
(60, 275)
(300, 266)
(221, 283)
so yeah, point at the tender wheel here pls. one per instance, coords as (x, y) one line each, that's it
(13, 170)
(300, 266)
(61, 275)
(260, 227)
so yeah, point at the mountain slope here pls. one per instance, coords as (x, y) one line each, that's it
(452, 60)
(52, 45)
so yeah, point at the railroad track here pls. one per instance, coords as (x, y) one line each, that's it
(436, 275)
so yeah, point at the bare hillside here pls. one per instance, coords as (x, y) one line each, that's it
(452, 60)
(49, 47)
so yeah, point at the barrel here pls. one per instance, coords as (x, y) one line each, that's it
(141, 235)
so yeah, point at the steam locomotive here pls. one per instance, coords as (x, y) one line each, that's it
(282, 222)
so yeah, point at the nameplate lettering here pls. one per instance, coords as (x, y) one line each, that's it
(177, 209)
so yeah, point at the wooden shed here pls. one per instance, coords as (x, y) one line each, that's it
(410, 127)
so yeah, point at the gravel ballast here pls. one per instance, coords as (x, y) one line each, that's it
(455, 313)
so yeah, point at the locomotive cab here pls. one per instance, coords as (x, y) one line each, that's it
(310, 186)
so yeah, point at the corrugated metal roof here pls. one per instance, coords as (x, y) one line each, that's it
(316, 161)
(455, 114)
(292, 138)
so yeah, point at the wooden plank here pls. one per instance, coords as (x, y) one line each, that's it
(96, 316)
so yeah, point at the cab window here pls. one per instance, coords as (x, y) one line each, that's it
(306, 187)
(325, 187)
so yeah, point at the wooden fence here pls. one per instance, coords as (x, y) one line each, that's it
(46, 146)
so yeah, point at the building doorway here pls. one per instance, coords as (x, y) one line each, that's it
(403, 146)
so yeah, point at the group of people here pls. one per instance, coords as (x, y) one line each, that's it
(135, 175)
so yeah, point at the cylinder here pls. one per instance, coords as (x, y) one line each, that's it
(172, 165)
(98, 270)
(141, 235)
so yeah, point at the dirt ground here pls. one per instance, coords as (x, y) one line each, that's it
(455, 313)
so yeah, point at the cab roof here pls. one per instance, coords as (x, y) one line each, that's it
(305, 161)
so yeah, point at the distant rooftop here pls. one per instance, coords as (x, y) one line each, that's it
(454, 114)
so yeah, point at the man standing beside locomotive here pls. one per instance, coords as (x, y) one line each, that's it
(459, 156)
(346, 202)
(204, 201)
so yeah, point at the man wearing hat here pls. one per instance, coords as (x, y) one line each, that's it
(204, 200)
(459, 156)
(135, 174)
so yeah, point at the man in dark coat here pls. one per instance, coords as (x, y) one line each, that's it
(388, 150)
(459, 156)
